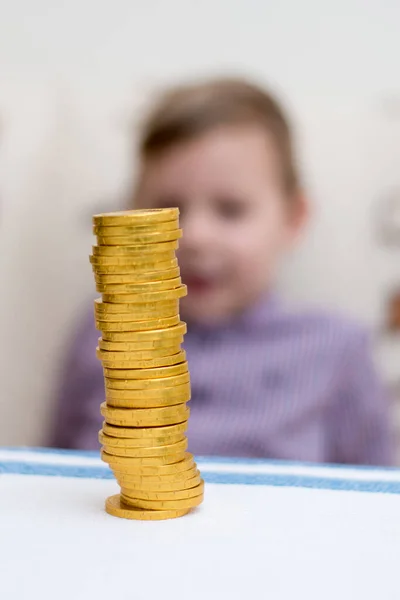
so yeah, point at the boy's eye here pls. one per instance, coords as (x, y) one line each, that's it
(231, 209)
(169, 201)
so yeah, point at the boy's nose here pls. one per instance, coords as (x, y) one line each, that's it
(197, 231)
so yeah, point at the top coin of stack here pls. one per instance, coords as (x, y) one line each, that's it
(146, 374)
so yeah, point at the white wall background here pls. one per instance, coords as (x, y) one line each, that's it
(72, 77)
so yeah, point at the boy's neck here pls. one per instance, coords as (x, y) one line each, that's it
(253, 315)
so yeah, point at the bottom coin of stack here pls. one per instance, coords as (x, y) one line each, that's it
(147, 383)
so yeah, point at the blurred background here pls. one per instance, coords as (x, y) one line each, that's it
(74, 77)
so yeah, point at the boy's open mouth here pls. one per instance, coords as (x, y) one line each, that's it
(198, 284)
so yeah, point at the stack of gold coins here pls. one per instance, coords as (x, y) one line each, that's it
(146, 374)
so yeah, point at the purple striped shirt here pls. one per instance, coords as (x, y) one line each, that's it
(272, 384)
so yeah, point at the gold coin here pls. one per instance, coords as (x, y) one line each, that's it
(147, 261)
(130, 356)
(144, 344)
(143, 432)
(136, 217)
(147, 421)
(134, 229)
(121, 388)
(155, 386)
(146, 394)
(109, 336)
(148, 398)
(137, 277)
(138, 288)
(145, 417)
(137, 250)
(139, 238)
(154, 495)
(129, 462)
(125, 465)
(144, 325)
(160, 312)
(162, 361)
(141, 354)
(142, 486)
(142, 422)
(117, 508)
(141, 318)
(153, 334)
(165, 313)
(123, 362)
(128, 317)
(168, 449)
(157, 373)
(152, 481)
(138, 270)
(138, 308)
(139, 321)
(141, 413)
(150, 452)
(156, 440)
(164, 504)
(147, 402)
(134, 269)
(172, 294)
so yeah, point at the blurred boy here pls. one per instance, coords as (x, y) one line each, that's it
(266, 382)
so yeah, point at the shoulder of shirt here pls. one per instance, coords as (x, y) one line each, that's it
(86, 332)
(328, 325)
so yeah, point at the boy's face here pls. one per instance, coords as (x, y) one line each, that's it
(237, 221)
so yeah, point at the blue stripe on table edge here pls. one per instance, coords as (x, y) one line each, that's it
(299, 481)
(221, 460)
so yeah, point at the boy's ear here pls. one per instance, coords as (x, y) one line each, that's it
(300, 213)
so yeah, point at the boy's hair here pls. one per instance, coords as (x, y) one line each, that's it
(186, 112)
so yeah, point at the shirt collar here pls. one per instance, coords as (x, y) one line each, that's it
(260, 312)
(253, 317)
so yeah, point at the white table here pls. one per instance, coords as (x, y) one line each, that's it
(267, 530)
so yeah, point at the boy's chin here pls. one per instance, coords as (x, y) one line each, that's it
(204, 311)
